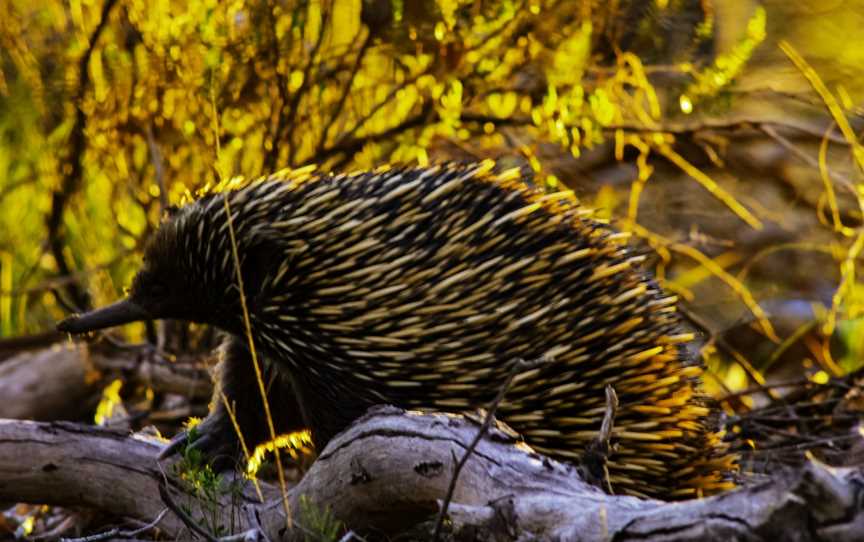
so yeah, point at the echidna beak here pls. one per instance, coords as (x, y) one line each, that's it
(122, 312)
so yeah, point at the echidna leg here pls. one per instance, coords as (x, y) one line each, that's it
(216, 436)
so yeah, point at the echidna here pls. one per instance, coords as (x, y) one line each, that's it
(415, 287)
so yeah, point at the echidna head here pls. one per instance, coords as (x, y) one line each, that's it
(175, 281)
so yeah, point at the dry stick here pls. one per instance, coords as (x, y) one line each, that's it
(116, 533)
(165, 495)
(519, 365)
(228, 408)
(763, 388)
(69, 521)
(599, 448)
(50, 285)
(248, 325)
(803, 156)
(727, 349)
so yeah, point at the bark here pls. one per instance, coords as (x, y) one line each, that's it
(64, 382)
(388, 472)
(49, 384)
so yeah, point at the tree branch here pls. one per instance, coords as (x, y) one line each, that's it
(72, 179)
(350, 146)
(346, 88)
(295, 99)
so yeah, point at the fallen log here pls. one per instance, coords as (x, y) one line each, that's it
(49, 384)
(64, 382)
(388, 473)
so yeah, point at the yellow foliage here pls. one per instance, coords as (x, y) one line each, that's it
(571, 57)
(109, 401)
(296, 444)
(171, 98)
(727, 66)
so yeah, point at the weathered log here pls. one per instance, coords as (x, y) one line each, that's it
(389, 471)
(63, 382)
(48, 384)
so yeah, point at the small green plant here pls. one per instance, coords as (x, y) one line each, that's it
(205, 487)
(319, 524)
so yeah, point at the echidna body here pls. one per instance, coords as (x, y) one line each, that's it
(416, 287)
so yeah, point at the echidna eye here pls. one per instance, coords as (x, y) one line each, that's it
(157, 289)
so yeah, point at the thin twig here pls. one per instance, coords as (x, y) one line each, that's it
(803, 156)
(519, 365)
(295, 99)
(723, 346)
(595, 458)
(116, 533)
(593, 464)
(255, 362)
(812, 443)
(10, 346)
(245, 536)
(183, 516)
(346, 88)
(681, 129)
(348, 141)
(763, 388)
(350, 146)
(609, 415)
(158, 168)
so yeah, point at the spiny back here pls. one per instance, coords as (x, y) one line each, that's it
(416, 286)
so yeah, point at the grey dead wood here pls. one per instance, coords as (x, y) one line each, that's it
(64, 382)
(388, 472)
(47, 384)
